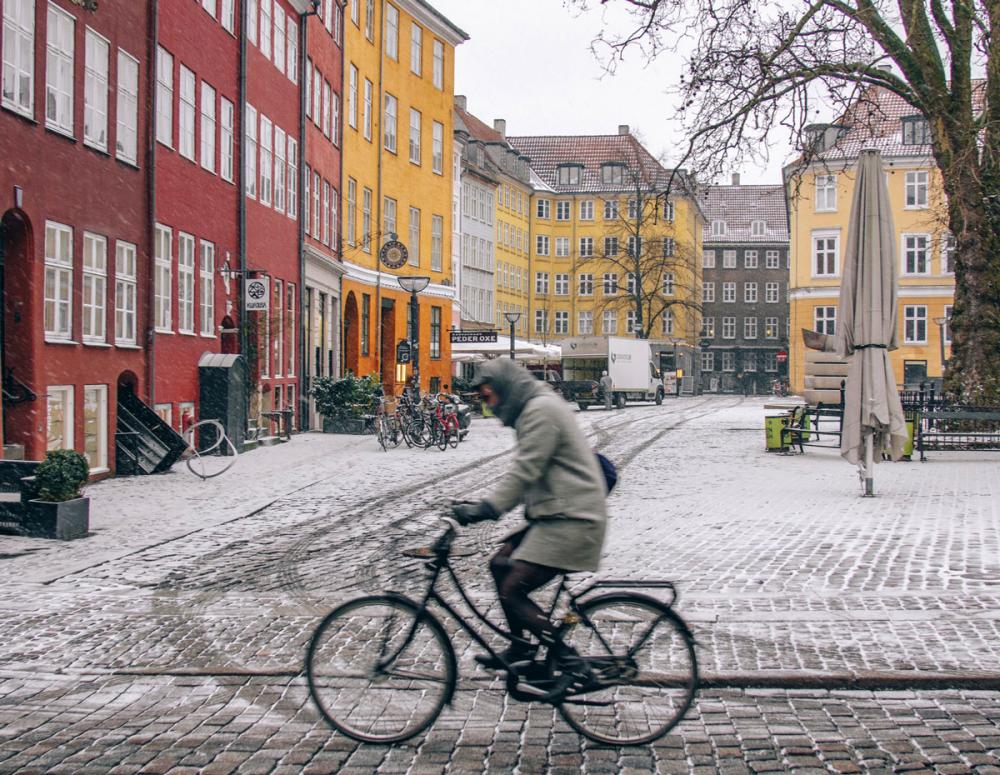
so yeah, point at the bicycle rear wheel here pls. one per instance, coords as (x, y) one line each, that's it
(370, 678)
(440, 434)
(643, 673)
(381, 432)
(451, 428)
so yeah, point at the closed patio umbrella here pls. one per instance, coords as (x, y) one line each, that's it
(866, 326)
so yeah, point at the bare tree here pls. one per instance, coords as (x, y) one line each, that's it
(753, 66)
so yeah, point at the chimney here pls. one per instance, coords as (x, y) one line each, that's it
(736, 178)
(461, 102)
(500, 125)
(623, 129)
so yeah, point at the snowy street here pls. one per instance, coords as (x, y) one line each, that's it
(836, 634)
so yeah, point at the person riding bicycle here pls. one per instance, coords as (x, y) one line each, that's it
(560, 482)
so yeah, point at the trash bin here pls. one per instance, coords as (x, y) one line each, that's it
(908, 447)
(772, 432)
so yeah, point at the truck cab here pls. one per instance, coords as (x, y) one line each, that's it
(629, 363)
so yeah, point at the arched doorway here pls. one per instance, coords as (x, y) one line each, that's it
(352, 334)
(388, 354)
(21, 398)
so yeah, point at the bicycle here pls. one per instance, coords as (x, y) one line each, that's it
(381, 668)
(436, 424)
(388, 428)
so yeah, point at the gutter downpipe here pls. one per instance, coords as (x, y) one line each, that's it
(154, 39)
(303, 406)
(241, 207)
(377, 115)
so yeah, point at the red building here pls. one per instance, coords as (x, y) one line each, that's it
(75, 236)
(195, 305)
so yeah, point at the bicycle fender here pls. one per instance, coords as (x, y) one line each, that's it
(617, 597)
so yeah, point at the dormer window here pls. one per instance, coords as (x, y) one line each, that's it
(916, 131)
(569, 174)
(718, 228)
(613, 174)
(757, 229)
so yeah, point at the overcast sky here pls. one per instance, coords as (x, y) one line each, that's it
(529, 61)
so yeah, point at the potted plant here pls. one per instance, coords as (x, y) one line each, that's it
(343, 403)
(59, 510)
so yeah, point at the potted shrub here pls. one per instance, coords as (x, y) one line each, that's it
(59, 510)
(343, 403)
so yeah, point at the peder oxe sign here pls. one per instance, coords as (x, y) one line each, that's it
(473, 337)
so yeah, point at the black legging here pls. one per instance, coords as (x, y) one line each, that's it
(515, 580)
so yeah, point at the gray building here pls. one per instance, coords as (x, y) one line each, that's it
(744, 287)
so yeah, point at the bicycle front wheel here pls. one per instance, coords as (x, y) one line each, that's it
(642, 670)
(381, 432)
(377, 672)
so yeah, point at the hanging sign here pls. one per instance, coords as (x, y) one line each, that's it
(256, 294)
(394, 254)
(782, 356)
(404, 353)
(473, 337)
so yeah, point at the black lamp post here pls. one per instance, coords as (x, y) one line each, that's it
(512, 318)
(413, 286)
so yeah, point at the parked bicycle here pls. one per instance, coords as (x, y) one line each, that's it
(381, 668)
(388, 424)
(436, 425)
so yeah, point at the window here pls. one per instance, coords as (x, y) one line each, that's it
(415, 120)
(59, 71)
(206, 288)
(185, 283)
(770, 328)
(826, 193)
(19, 56)
(321, 217)
(946, 329)
(293, 177)
(668, 283)
(366, 219)
(352, 98)
(541, 321)
(771, 259)
(729, 293)
(630, 322)
(352, 210)
(335, 118)
(609, 321)
(125, 293)
(770, 361)
(437, 148)
(708, 292)
(708, 259)
(915, 324)
(916, 190)
(668, 211)
(280, 148)
(279, 37)
(370, 19)
(438, 65)
(265, 27)
(749, 328)
(266, 161)
(392, 32)
(610, 283)
(416, 49)
(95, 426)
(585, 322)
(569, 175)
(324, 117)
(825, 320)
(127, 113)
(543, 208)
(708, 361)
(562, 284)
(825, 254)
(587, 210)
(95, 287)
(750, 259)
(95, 91)
(292, 327)
(750, 293)
(162, 278)
(771, 293)
(332, 216)
(59, 417)
(435, 349)
(227, 15)
(366, 323)
(668, 322)
(586, 284)
(586, 247)
(562, 211)
(611, 210)
(668, 247)
(729, 328)
(948, 254)
(707, 328)
(750, 361)
(916, 131)
(562, 247)
(317, 228)
(562, 322)
(437, 242)
(414, 246)
(209, 5)
(366, 117)
(355, 12)
(58, 281)
(164, 97)
(634, 246)
(612, 174)
(633, 209)
(250, 162)
(278, 341)
(610, 247)
(186, 114)
(718, 228)
(916, 254)
(541, 283)
(252, 21)
(728, 259)
(541, 245)
(388, 218)
(757, 229)
(207, 127)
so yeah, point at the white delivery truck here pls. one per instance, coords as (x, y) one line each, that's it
(629, 363)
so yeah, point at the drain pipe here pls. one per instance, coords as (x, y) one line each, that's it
(301, 172)
(241, 208)
(150, 336)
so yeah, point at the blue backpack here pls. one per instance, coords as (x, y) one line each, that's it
(609, 471)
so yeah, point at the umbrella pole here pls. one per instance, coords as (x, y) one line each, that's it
(870, 465)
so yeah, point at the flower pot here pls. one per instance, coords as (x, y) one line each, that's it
(64, 521)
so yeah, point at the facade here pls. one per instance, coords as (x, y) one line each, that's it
(744, 287)
(75, 236)
(321, 143)
(819, 201)
(397, 180)
(597, 215)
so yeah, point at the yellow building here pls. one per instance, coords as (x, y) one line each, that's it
(596, 216)
(397, 118)
(820, 196)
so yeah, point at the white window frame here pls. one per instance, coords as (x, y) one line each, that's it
(543, 209)
(19, 56)
(585, 322)
(437, 148)
(916, 190)
(772, 259)
(209, 125)
(562, 247)
(609, 322)
(127, 109)
(367, 107)
(97, 64)
(186, 111)
(757, 228)
(561, 322)
(227, 16)
(352, 97)
(728, 259)
(948, 254)
(708, 361)
(541, 321)
(99, 395)
(729, 293)
(416, 49)
(946, 329)
(729, 327)
(908, 247)
(609, 284)
(280, 168)
(266, 161)
(414, 244)
(266, 22)
(586, 209)
(585, 284)
(367, 209)
(708, 259)
(437, 242)
(586, 247)
(164, 97)
(750, 327)
(708, 292)
(718, 228)
(185, 282)
(542, 283)
(749, 293)
(60, 50)
(392, 32)
(292, 48)
(293, 178)
(772, 293)
(914, 317)
(95, 289)
(751, 259)
(163, 279)
(58, 291)
(825, 319)
(415, 135)
(206, 289)
(250, 160)
(814, 254)
(561, 283)
(126, 294)
(826, 194)
(669, 283)
(564, 210)
(771, 328)
(226, 117)
(541, 245)
(253, 16)
(438, 64)
(611, 209)
(64, 395)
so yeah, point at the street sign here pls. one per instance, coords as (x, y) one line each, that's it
(256, 295)
(473, 337)
(704, 344)
(782, 356)
(404, 352)
(394, 254)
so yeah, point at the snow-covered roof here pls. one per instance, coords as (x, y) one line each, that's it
(738, 207)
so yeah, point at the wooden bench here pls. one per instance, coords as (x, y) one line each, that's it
(958, 428)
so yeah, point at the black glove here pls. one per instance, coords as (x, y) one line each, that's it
(468, 513)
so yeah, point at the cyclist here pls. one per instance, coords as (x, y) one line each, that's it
(559, 480)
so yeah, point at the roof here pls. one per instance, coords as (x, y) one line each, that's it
(738, 206)
(477, 129)
(548, 153)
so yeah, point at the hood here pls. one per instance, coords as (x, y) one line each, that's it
(513, 384)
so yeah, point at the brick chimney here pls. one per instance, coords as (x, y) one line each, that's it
(461, 101)
(623, 129)
(736, 178)
(500, 125)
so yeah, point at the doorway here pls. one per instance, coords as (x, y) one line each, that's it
(352, 333)
(17, 339)
(387, 356)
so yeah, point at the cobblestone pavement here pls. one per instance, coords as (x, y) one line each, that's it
(173, 638)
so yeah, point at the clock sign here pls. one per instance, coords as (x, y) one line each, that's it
(394, 254)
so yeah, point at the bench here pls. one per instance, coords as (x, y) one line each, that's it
(283, 419)
(958, 428)
(805, 427)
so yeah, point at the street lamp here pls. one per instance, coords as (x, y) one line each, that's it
(512, 318)
(941, 323)
(413, 286)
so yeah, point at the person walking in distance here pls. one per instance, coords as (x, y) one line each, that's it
(607, 386)
(559, 480)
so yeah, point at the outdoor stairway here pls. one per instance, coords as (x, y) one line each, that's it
(144, 444)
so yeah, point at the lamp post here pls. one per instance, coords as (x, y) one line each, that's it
(413, 286)
(941, 323)
(512, 318)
